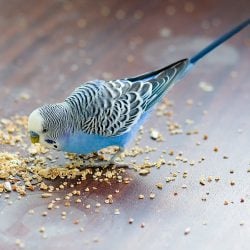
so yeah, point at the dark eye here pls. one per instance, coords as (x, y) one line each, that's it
(50, 141)
(45, 130)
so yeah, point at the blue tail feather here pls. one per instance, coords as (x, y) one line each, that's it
(219, 41)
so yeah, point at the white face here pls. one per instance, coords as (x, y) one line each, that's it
(35, 122)
(37, 131)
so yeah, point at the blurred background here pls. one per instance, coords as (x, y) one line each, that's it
(50, 47)
(47, 48)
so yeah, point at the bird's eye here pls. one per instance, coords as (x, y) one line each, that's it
(50, 141)
(45, 130)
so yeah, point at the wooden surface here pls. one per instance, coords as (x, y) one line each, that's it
(47, 48)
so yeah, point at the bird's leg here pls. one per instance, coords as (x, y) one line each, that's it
(112, 161)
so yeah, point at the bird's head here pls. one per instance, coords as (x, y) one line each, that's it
(44, 126)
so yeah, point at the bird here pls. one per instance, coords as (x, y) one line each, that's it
(100, 113)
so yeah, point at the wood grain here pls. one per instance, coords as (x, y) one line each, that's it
(47, 48)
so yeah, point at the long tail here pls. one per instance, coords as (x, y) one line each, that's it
(219, 41)
(194, 59)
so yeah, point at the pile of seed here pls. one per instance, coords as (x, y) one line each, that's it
(26, 171)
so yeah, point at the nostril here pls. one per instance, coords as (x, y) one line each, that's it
(50, 141)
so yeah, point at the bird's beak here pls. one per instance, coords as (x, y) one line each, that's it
(34, 137)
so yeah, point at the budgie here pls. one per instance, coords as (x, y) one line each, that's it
(102, 113)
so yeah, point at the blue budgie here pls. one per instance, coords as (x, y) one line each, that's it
(102, 113)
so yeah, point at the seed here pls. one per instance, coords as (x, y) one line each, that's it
(131, 220)
(50, 205)
(242, 223)
(76, 222)
(144, 171)
(7, 186)
(209, 178)
(226, 202)
(217, 179)
(202, 181)
(171, 152)
(141, 196)
(159, 185)
(46, 195)
(44, 213)
(187, 231)
(232, 183)
(117, 211)
(205, 137)
(42, 229)
(216, 149)
(152, 196)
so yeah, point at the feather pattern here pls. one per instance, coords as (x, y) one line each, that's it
(112, 108)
